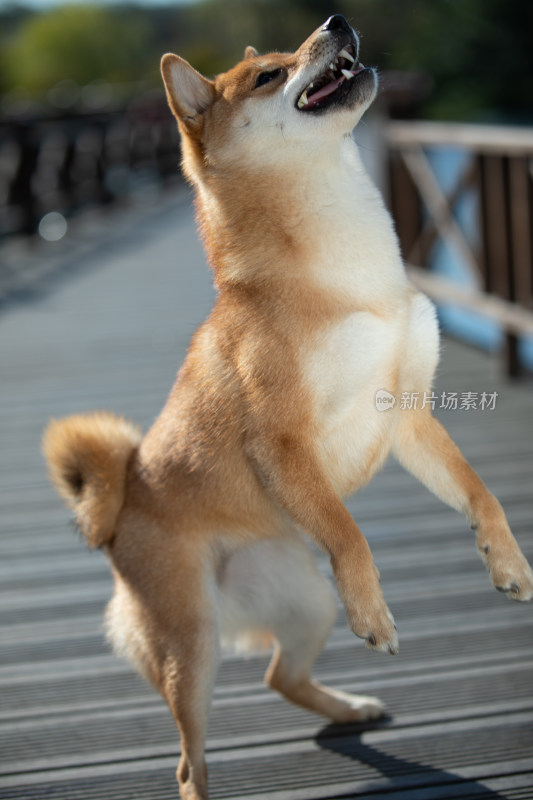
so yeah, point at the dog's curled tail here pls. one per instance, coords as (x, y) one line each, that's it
(87, 457)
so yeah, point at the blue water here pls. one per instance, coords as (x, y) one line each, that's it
(474, 328)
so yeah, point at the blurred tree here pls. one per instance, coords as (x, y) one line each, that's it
(220, 29)
(80, 42)
(478, 52)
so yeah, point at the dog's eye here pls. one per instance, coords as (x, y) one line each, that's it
(266, 77)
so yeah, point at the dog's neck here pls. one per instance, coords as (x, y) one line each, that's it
(317, 219)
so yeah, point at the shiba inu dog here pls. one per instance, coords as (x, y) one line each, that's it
(273, 417)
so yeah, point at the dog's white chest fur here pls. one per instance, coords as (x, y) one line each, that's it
(391, 344)
(349, 363)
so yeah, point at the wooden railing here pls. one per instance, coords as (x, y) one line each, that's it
(66, 162)
(496, 257)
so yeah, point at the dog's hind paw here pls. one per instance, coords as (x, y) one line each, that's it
(358, 708)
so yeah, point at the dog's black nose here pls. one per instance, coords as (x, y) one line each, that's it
(336, 22)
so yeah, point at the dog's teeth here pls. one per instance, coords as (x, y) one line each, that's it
(332, 66)
(348, 75)
(311, 85)
(303, 101)
(346, 54)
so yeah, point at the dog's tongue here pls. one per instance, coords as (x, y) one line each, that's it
(329, 88)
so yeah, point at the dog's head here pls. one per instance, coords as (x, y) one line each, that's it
(271, 105)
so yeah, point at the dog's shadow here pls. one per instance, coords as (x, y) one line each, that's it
(389, 772)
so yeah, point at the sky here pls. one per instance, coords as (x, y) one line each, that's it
(44, 4)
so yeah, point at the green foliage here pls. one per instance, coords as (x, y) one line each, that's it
(478, 52)
(80, 42)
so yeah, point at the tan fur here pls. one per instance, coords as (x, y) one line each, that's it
(88, 458)
(272, 418)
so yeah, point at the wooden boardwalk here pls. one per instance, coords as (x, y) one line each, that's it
(78, 724)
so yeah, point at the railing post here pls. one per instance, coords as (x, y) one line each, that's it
(405, 204)
(21, 194)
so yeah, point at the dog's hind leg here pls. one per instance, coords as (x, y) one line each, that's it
(187, 686)
(172, 637)
(275, 587)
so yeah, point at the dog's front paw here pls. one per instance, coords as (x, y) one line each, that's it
(508, 568)
(375, 624)
(366, 609)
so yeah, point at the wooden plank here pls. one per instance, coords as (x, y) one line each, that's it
(421, 251)
(510, 315)
(77, 722)
(438, 207)
(499, 139)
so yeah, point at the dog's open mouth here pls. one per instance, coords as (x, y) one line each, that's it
(334, 83)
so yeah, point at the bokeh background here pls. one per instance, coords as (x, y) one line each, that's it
(84, 127)
(54, 55)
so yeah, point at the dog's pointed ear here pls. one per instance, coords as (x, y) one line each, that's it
(189, 93)
(250, 52)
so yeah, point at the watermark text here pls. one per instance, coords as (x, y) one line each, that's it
(449, 401)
